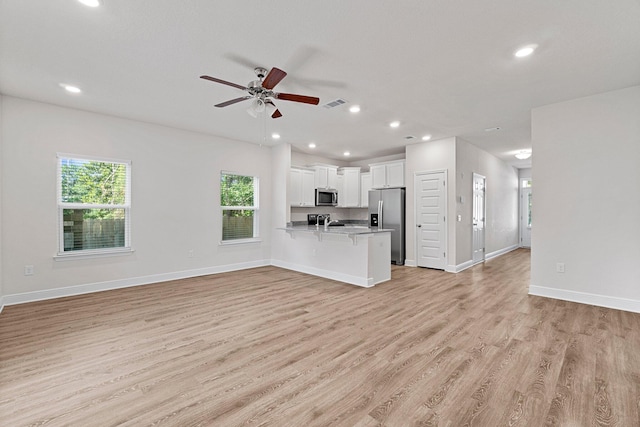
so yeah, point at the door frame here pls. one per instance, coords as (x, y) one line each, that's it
(484, 216)
(416, 176)
(522, 211)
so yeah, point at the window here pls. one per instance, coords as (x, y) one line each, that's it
(93, 205)
(239, 203)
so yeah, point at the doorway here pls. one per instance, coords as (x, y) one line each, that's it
(525, 212)
(479, 211)
(431, 217)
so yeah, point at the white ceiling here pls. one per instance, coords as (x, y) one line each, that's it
(444, 68)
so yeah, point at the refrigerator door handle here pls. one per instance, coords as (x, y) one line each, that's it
(380, 219)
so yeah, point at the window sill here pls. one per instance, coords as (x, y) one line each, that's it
(72, 256)
(240, 241)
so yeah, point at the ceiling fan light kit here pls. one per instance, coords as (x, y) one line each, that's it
(261, 92)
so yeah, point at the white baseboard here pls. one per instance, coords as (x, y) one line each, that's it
(410, 263)
(623, 304)
(1, 304)
(467, 264)
(327, 274)
(125, 283)
(499, 252)
(458, 268)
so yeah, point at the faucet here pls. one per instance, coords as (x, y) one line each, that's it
(318, 218)
(328, 223)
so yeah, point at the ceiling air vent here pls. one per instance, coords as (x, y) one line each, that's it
(335, 103)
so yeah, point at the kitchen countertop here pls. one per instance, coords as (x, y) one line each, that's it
(346, 229)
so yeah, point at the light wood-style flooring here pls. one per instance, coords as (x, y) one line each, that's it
(271, 347)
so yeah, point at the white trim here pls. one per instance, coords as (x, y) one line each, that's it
(410, 263)
(89, 254)
(1, 304)
(126, 283)
(327, 274)
(239, 241)
(475, 175)
(468, 264)
(91, 158)
(499, 252)
(616, 303)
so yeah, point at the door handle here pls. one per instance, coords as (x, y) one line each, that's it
(419, 225)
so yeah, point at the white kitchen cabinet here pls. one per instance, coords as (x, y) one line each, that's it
(326, 176)
(387, 174)
(301, 187)
(349, 192)
(365, 186)
(340, 188)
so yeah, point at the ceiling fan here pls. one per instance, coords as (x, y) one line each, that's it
(261, 90)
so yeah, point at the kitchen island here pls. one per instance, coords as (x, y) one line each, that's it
(357, 255)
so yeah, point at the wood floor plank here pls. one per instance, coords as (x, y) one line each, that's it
(272, 347)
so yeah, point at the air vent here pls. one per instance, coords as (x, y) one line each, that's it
(409, 137)
(335, 103)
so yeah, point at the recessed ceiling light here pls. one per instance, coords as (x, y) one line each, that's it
(275, 135)
(312, 145)
(394, 124)
(69, 88)
(525, 51)
(354, 109)
(346, 153)
(90, 3)
(426, 137)
(523, 155)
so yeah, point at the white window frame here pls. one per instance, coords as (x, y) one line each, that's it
(91, 253)
(255, 208)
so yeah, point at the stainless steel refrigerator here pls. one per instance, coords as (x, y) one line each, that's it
(386, 210)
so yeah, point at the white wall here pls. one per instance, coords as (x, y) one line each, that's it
(1, 204)
(524, 173)
(586, 206)
(424, 157)
(175, 197)
(501, 200)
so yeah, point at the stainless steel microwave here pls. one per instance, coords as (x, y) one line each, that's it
(326, 197)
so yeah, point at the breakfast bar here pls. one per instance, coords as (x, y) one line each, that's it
(358, 255)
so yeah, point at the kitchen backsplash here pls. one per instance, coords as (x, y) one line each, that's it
(300, 214)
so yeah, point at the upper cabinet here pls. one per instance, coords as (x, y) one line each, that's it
(301, 187)
(365, 186)
(326, 176)
(349, 189)
(387, 174)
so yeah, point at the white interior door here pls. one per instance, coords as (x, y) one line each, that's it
(431, 215)
(479, 191)
(525, 214)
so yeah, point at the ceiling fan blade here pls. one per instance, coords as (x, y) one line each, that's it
(276, 113)
(224, 82)
(297, 98)
(233, 101)
(273, 78)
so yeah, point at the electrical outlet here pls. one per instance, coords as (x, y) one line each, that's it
(560, 267)
(313, 252)
(28, 270)
(190, 253)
